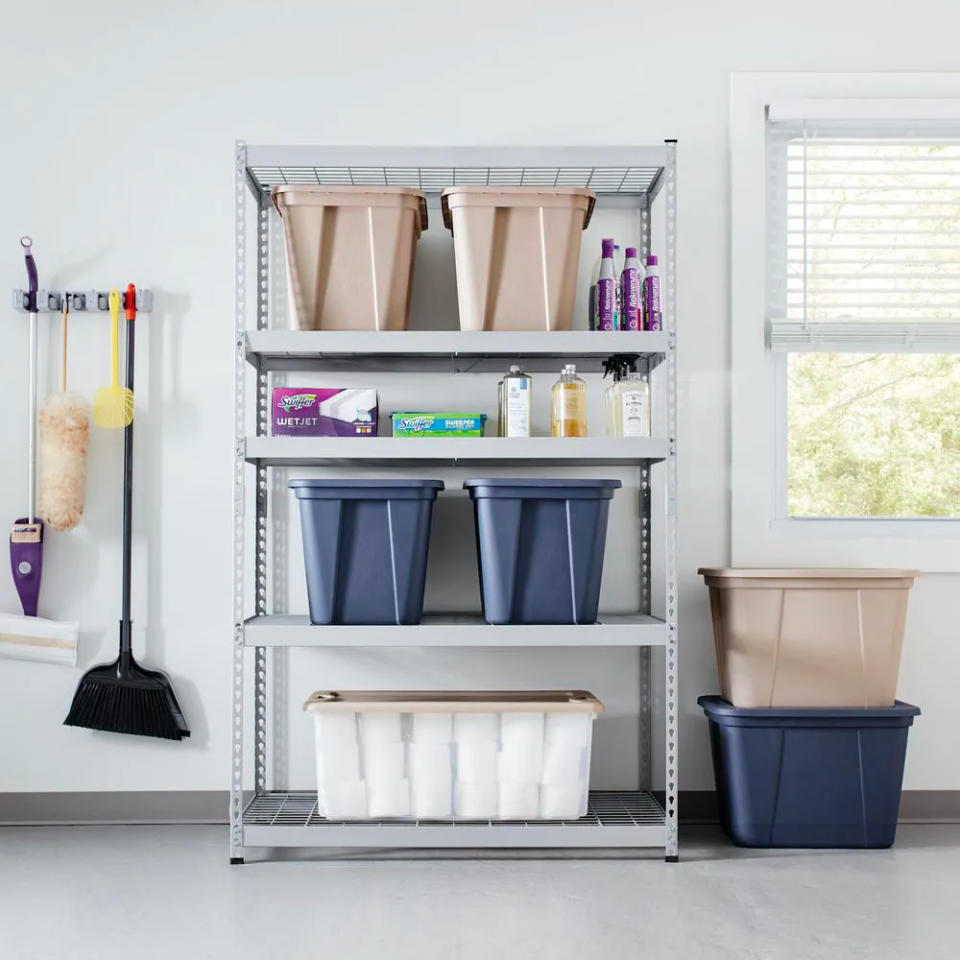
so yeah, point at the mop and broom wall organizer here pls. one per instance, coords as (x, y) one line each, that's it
(122, 696)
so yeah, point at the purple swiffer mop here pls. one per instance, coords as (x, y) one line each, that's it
(26, 537)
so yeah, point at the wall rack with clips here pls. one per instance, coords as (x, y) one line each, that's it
(79, 301)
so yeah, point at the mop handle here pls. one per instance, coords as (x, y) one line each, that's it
(63, 350)
(31, 264)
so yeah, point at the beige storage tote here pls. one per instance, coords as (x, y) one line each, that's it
(517, 251)
(444, 755)
(350, 253)
(808, 638)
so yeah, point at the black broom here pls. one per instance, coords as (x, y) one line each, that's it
(123, 697)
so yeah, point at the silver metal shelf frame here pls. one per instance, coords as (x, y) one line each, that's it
(622, 176)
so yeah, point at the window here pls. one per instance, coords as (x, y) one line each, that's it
(845, 320)
(863, 276)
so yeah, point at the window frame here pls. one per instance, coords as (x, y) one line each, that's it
(761, 531)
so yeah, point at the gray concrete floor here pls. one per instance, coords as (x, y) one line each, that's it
(71, 893)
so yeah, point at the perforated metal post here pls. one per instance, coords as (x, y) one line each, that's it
(671, 689)
(645, 653)
(260, 550)
(239, 428)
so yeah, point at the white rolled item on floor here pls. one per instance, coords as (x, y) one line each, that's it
(432, 727)
(383, 762)
(377, 725)
(563, 801)
(477, 761)
(345, 800)
(430, 762)
(388, 798)
(518, 801)
(475, 801)
(35, 638)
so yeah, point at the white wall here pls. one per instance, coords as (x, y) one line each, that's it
(118, 124)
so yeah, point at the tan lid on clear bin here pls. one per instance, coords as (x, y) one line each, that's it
(307, 195)
(453, 701)
(576, 197)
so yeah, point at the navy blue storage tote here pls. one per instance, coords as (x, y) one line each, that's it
(365, 548)
(790, 777)
(540, 547)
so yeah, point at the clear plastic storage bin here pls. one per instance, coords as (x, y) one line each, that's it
(444, 755)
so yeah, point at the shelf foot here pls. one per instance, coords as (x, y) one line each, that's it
(235, 860)
(673, 859)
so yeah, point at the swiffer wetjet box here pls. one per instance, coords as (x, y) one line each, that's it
(326, 412)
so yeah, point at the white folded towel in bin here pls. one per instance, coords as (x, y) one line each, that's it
(432, 727)
(346, 800)
(430, 762)
(521, 731)
(572, 728)
(383, 762)
(519, 801)
(475, 726)
(338, 760)
(563, 801)
(521, 763)
(477, 761)
(562, 762)
(431, 798)
(335, 728)
(378, 725)
(389, 798)
(475, 801)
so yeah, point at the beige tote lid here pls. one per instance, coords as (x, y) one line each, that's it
(571, 197)
(453, 701)
(334, 195)
(806, 578)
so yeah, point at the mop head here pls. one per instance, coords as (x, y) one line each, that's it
(64, 437)
(131, 700)
(33, 638)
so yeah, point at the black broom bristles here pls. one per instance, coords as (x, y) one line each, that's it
(144, 707)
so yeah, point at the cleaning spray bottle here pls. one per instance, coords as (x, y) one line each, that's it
(627, 402)
(568, 404)
(630, 280)
(515, 399)
(651, 296)
(607, 289)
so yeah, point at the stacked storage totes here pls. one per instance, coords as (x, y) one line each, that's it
(441, 755)
(808, 742)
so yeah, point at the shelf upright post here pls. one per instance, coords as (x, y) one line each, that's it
(239, 536)
(671, 665)
(260, 544)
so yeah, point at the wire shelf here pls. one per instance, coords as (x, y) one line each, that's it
(606, 808)
(604, 180)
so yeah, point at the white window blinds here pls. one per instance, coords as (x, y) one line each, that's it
(863, 235)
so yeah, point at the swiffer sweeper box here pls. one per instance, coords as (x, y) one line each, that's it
(327, 412)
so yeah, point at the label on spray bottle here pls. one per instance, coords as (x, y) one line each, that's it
(518, 406)
(630, 298)
(635, 413)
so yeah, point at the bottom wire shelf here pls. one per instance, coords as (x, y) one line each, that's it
(615, 818)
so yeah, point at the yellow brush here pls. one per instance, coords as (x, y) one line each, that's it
(113, 405)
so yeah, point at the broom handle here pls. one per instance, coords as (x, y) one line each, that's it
(125, 623)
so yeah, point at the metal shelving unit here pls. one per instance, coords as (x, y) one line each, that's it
(621, 176)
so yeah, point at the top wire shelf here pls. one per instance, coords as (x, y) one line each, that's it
(623, 171)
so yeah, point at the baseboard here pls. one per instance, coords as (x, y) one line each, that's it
(211, 806)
